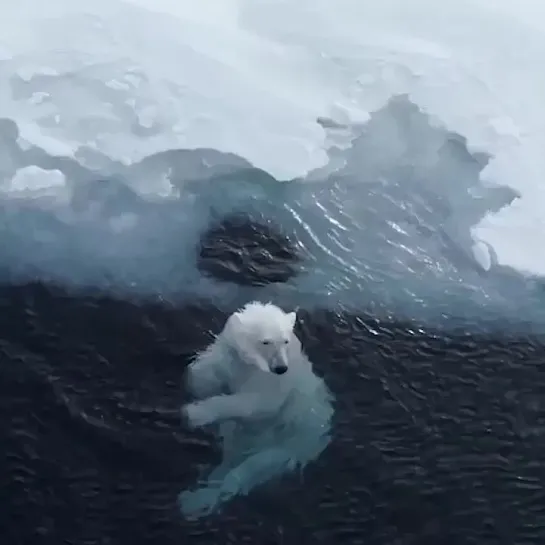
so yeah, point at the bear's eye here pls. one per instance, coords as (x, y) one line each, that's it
(266, 341)
(286, 341)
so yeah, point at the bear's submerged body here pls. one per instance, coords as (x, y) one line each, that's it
(267, 422)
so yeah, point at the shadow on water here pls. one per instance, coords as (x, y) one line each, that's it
(240, 251)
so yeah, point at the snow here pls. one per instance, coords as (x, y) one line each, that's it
(251, 77)
(33, 178)
(35, 182)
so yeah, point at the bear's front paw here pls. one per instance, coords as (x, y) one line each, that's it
(196, 415)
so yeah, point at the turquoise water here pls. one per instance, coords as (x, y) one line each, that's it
(386, 226)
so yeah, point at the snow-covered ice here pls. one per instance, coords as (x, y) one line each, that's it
(126, 79)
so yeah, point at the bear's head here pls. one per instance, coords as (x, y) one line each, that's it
(261, 334)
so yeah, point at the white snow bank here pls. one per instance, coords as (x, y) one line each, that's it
(129, 78)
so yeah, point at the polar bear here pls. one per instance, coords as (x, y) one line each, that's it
(256, 387)
(240, 374)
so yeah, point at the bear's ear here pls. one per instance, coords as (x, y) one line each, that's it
(292, 316)
(234, 320)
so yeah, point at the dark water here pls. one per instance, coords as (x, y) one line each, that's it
(231, 252)
(438, 437)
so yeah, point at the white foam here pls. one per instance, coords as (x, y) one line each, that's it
(252, 76)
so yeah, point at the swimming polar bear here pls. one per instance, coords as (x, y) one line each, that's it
(257, 387)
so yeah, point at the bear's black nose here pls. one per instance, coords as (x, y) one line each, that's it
(280, 370)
